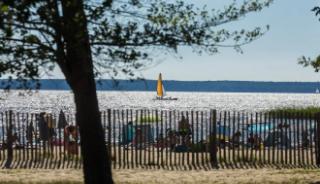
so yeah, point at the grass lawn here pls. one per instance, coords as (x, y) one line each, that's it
(292, 112)
(222, 176)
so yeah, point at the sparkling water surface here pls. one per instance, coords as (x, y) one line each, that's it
(53, 101)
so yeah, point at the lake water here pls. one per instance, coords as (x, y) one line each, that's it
(53, 101)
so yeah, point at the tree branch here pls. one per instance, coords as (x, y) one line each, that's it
(34, 28)
(28, 43)
(61, 61)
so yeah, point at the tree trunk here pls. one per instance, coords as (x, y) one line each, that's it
(93, 148)
(80, 76)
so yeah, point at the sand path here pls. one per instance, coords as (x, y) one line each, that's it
(272, 176)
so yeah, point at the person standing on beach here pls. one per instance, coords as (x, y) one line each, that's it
(51, 131)
(43, 129)
(46, 126)
(29, 133)
(62, 121)
(71, 138)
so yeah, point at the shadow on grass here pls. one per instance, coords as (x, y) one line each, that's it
(39, 182)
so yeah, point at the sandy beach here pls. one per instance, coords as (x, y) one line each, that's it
(137, 176)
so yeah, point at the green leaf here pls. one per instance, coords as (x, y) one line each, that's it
(4, 8)
(32, 39)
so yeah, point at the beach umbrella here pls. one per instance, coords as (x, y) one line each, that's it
(62, 122)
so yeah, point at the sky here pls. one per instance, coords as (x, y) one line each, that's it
(294, 31)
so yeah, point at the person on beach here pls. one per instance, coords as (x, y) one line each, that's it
(160, 141)
(283, 126)
(235, 140)
(51, 130)
(15, 141)
(251, 140)
(184, 131)
(257, 142)
(184, 127)
(43, 129)
(71, 137)
(140, 139)
(62, 121)
(171, 139)
(30, 133)
(46, 126)
(305, 139)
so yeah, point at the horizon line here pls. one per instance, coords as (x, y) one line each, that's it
(192, 80)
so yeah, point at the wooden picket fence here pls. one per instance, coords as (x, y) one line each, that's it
(170, 139)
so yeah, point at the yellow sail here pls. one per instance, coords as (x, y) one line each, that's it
(160, 86)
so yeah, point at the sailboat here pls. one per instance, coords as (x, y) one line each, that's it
(161, 93)
(317, 91)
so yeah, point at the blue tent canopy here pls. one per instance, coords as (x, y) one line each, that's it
(129, 132)
(223, 130)
(260, 127)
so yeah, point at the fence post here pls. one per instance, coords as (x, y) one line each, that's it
(9, 139)
(213, 140)
(317, 141)
(109, 134)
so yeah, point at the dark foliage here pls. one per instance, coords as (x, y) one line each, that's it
(89, 38)
(125, 36)
(307, 61)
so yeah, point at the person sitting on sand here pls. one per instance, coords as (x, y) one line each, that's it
(251, 140)
(139, 139)
(305, 139)
(171, 139)
(235, 140)
(15, 141)
(257, 142)
(161, 143)
(283, 125)
(184, 131)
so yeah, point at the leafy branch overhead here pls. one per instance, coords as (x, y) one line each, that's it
(307, 61)
(314, 63)
(124, 34)
(316, 10)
